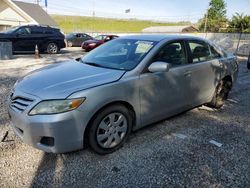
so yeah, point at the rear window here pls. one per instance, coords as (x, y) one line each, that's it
(200, 51)
(36, 30)
(48, 31)
(214, 52)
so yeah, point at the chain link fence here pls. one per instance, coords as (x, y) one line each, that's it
(236, 43)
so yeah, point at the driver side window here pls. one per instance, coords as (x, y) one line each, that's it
(24, 31)
(173, 53)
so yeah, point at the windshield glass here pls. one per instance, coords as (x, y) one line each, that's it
(121, 54)
(10, 30)
(71, 35)
(100, 37)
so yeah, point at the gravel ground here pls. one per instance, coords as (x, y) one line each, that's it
(172, 153)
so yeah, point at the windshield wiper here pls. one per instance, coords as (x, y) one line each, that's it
(93, 64)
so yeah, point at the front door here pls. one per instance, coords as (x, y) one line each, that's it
(163, 94)
(23, 40)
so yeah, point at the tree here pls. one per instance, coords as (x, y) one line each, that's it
(215, 18)
(239, 23)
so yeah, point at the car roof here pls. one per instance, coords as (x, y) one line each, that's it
(158, 38)
(75, 33)
(108, 35)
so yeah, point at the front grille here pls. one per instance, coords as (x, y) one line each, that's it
(19, 103)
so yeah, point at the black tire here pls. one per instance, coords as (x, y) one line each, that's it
(248, 62)
(95, 129)
(221, 94)
(52, 48)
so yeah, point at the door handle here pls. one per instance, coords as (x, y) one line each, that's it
(188, 73)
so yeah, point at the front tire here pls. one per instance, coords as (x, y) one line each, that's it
(52, 48)
(248, 62)
(221, 94)
(110, 129)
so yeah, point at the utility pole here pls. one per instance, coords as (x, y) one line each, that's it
(38, 2)
(93, 16)
(46, 5)
(205, 26)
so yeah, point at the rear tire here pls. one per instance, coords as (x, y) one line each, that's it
(221, 94)
(248, 62)
(110, 129)
(52, 48)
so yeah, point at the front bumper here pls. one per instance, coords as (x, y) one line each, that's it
(88, 48)
(65, 130)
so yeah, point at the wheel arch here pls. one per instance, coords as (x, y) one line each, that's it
(118, 102)
(227, 78)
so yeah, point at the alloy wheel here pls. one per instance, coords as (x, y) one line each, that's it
(111, 130)
(52, 48)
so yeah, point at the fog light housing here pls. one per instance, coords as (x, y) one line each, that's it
(48, 141)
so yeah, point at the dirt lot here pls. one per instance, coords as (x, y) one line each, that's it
(172, 153)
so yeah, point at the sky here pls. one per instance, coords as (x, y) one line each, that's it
(156, 10)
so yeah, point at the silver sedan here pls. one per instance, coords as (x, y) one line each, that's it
(117, 88)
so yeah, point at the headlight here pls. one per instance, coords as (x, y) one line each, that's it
(92, 44)
(56, 106)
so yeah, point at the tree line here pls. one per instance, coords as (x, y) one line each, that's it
(215, 19)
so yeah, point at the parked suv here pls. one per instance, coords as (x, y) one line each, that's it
(25, 38)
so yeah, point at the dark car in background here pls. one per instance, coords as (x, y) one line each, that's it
(97, 41)
(76, 39)
(25, 38)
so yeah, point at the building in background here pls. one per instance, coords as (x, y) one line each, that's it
(14, 13)
(171, 29)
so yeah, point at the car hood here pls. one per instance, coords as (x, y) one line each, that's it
(4, 35)
(62, 79)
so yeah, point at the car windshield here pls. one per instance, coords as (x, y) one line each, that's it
(121, 54)
(71, 35)
(100, 37)
(10, 30)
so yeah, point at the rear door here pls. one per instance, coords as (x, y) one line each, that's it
(38, 38)
(205, 72)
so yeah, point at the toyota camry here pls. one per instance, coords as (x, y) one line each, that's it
(119, 87)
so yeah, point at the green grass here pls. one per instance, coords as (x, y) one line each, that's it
(89, 24)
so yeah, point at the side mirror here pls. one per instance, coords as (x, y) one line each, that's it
(78, 59)
(159, 66)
